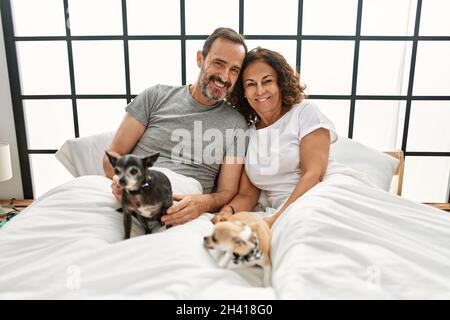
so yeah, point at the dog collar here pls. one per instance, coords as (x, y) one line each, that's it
(253, 255)
(141, 190)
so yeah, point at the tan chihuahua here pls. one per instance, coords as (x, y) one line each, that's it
(245, 240)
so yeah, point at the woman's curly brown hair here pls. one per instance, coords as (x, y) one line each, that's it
(288, 81)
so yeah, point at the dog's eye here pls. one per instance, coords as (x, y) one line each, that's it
(133, 172)
(116, 171)
(213, 239)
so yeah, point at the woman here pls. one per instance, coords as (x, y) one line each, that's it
(289, 139)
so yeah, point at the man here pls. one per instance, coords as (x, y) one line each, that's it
(159, 116)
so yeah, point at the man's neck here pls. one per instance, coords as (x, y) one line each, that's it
(196, 94)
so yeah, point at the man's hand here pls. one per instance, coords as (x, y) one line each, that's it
(116, 188)
(188, 208)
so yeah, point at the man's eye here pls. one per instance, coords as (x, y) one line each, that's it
(133, 172)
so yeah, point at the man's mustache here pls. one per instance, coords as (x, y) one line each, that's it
(217, 79)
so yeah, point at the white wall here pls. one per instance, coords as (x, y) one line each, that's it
(11, 188)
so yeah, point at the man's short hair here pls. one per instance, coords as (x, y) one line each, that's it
(223, 33)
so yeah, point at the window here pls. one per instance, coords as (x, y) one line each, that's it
(379, 69)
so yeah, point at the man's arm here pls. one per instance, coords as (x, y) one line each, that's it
(227, 184)
(192, 206)
(126, 137)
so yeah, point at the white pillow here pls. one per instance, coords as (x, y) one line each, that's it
(84, 156)
(379, 166)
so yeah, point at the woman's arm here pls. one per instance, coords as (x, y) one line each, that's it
(314, 153)
(245, 200)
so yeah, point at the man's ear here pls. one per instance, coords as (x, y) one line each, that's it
(112, 159)
(199, 59)
(150, 160)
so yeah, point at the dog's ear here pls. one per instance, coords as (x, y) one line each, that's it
(239, 242)
(112, 159)
(150, 160)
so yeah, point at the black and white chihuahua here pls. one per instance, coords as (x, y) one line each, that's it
(146, 193)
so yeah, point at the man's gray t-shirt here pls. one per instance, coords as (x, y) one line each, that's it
(192, 139)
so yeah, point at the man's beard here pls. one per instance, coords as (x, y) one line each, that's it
(206, 90)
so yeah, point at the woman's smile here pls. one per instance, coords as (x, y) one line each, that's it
(262, 99)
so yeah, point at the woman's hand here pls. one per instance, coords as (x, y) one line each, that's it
(116, 188)
(223, 215)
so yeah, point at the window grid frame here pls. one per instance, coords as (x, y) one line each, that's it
(17, 97)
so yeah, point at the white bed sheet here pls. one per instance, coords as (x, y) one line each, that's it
(345, 239)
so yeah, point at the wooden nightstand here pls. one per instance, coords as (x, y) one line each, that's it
(443, 206)
(16, 205)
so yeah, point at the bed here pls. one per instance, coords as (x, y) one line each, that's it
(346, 238)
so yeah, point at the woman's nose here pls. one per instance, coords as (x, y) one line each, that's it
(260, 89)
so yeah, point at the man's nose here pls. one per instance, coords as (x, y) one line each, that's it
(225, 76)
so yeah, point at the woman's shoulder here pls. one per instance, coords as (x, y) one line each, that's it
(305, 106)
(302, 108)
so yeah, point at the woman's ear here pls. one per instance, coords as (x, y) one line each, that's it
(199, 59)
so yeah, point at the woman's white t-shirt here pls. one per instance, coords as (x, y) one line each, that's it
(272, 162)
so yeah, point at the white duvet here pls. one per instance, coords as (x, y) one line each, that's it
(344, 239)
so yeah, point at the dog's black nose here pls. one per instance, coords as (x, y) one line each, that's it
(122, 181)
(205, 238)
